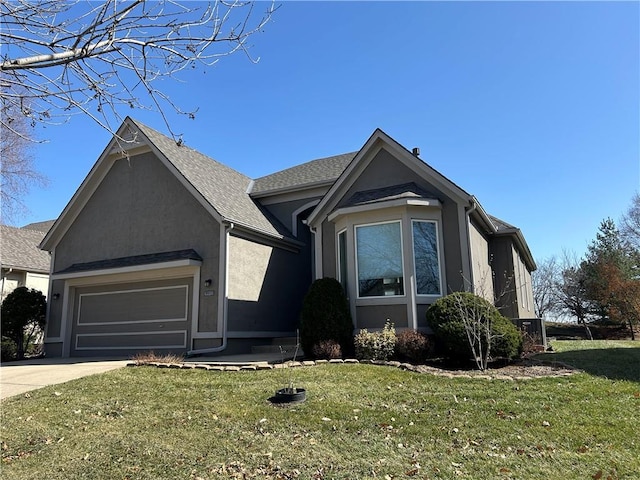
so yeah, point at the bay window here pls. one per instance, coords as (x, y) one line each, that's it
(426, 257)
(379, 260)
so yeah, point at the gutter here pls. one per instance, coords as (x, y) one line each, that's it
(225, 299)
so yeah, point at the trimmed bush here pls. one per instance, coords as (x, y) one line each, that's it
(376, 345)
(325, 316)
(412, 346)
(8, 350)
(327, 350)
(445, 317)
(23, 317)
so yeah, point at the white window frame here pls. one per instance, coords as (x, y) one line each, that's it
(402, 259)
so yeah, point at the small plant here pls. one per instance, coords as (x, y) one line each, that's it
(290, 387)
(146, 358)
(327, 350)
(290, 394)
(376, 345)
(413, 346)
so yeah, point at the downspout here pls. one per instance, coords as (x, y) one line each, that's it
(225, 296)
(474, 205)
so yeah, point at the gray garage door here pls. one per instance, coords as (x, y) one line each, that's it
(131, 317)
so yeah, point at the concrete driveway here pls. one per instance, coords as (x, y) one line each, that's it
(26, 375)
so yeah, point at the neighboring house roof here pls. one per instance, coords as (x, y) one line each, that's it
(19, 250)
(40, 226)
(323, 171)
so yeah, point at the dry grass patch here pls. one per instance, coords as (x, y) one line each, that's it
(148, 358)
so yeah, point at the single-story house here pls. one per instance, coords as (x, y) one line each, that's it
(163, 248)
(23, 264)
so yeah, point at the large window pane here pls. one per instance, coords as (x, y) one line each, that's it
(425, 250)
(379, 257)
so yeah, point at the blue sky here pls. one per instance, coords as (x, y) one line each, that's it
(532, 107)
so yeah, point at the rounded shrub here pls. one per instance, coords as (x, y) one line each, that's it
(446, 319)
(412, 346)
(327, 350)
(376, 345)
(325, 316)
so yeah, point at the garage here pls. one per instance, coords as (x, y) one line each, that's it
(123, 306)
(138, 316)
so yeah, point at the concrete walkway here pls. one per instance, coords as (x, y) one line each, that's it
(26, 375)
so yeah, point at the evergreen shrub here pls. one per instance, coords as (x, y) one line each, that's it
(325, 316)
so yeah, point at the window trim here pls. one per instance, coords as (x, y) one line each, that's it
(402, 260)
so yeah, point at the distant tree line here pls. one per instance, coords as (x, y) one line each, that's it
(604, 285)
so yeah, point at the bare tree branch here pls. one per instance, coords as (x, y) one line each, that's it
(80, 57)
(17, 169)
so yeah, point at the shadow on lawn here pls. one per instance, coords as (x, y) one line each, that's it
(612, 363)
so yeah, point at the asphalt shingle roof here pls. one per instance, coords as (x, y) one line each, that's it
(406, 190)
(320, 171)
(501, 225)
(223, 187)
(134, 261)
(19, 249)
(40, 226)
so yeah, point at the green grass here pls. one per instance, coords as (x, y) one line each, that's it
(359, 421)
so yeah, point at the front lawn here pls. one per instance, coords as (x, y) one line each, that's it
(359, 421)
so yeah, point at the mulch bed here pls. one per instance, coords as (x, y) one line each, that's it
(524, 369)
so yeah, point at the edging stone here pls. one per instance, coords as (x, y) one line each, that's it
(422, 369)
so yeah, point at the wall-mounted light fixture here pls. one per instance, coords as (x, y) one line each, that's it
(207, 282)
(56, 296)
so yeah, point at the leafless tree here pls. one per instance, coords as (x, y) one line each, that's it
(17, 169)
(68, 57)
(545, 282)
(477, 318)
(572, 295)
(630, 223)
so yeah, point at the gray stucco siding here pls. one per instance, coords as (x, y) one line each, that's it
(140, 208)
(384, 171)
(266, 287)
(284, 211)
(375, 316)
(53, 327)
(503, 268)
(329, 249)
